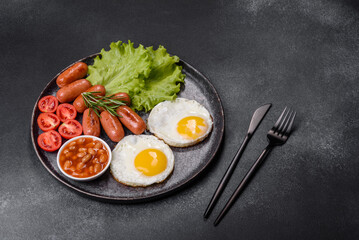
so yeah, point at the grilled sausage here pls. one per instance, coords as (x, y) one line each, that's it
(72, 90)
(73, 73)
(131, 120)
(91, 123)
(79, 102)
(112, 126)
(122, 96)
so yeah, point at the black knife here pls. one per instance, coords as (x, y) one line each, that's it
(257, 117)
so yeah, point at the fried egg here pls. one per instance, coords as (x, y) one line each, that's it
(180, 123)
(141, 160)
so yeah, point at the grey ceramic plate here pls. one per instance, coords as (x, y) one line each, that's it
(189, 162)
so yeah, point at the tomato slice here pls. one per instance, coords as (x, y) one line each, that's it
(49, 141)
(66, 111)
(48, 104)
(48, 121)
(70, 128)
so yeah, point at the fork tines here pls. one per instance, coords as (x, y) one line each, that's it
(284, 124)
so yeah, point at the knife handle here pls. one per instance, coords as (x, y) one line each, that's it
(226, 177)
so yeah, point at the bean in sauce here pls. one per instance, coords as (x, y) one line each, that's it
(84, 157)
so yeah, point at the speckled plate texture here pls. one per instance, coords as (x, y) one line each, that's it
(189, 162)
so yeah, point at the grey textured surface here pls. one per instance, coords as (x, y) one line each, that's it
(303, 54)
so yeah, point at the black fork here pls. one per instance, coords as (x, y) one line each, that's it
(278, 135)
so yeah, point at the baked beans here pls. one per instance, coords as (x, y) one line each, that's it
(84, 157)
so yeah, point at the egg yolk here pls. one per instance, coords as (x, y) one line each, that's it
(151, 162)
(192, 127)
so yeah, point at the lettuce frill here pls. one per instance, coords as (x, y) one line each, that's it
(148, 76)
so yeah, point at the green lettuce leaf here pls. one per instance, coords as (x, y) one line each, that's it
(121, 69)
(148, 76)
(163, 83)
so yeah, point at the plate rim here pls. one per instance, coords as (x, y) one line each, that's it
(141, 198)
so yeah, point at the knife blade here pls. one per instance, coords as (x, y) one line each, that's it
(257, 117)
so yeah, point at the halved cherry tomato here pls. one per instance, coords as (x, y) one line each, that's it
(48, 121)
(70, 128)
(48, 104)
(49, 141)
(66, 111)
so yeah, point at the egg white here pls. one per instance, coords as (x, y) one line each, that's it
(123, 156)
(164, 117)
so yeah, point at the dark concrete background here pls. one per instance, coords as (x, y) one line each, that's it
(303, 54)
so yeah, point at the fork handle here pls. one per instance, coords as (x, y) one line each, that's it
(244, 183)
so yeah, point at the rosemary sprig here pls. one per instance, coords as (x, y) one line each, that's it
(96, 102)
